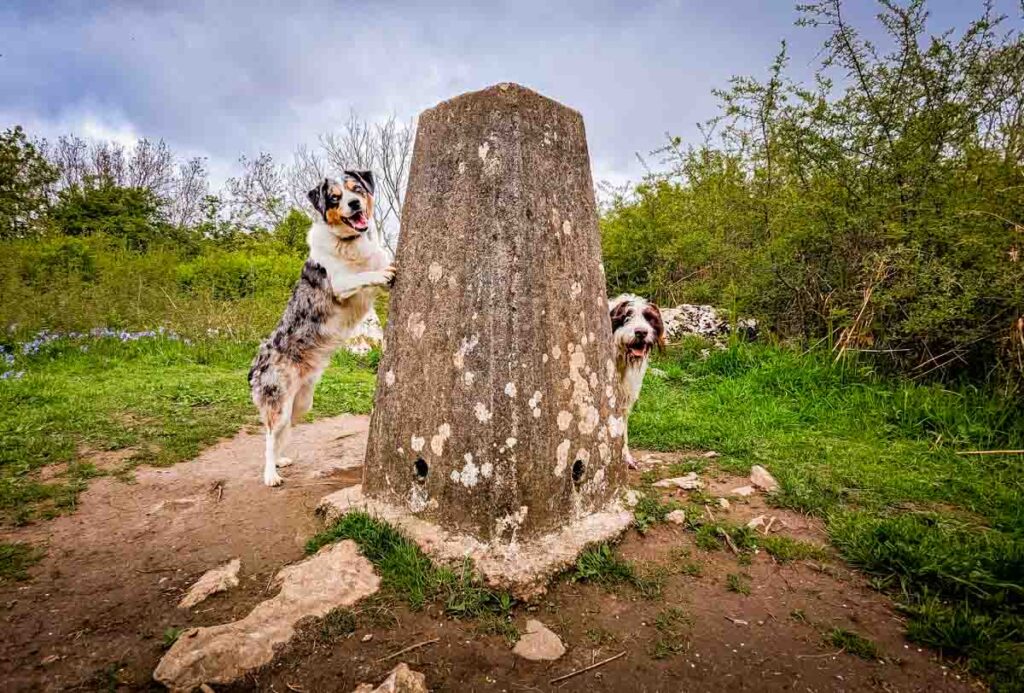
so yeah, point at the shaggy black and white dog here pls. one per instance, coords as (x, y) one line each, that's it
(344, 273)
(636, 329)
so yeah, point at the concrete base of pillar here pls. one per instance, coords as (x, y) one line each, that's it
(521, 568)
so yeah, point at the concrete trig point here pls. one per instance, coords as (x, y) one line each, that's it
(496, 433)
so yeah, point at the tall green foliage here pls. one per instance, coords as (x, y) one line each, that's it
(25, 176)
(881, 207)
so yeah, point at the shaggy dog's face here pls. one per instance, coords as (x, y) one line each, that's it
(347, 207)
(636, 326)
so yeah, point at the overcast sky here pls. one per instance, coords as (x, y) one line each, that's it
(223, 78)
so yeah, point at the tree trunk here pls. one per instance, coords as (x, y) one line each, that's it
(495, 411)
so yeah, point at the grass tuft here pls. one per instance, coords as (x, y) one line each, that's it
(853, 643)
(16, 559)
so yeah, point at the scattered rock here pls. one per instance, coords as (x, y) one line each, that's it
(676, 516)
(743, 491)
(711, 454)
(335, 576)
(631, 498)
(50, 659)
(216, 580)
(757, 522)
(687, 483)
(760, 477)
(538, 643)
(205, 688)
(687, 319)
(368, 637)
(402, 679)
(367, 335)
(723, 503)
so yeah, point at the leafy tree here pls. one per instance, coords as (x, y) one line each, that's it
(292, 230)
(134, 215)
(25, 177)
(879, 208)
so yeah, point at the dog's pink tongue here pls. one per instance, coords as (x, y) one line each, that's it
(359, 221)
(637, 351)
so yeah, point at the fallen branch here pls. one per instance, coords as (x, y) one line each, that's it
(728, 540)
(586, 669)
(991, 452)
(409, 649)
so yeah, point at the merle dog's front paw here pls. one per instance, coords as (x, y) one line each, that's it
(388, 276)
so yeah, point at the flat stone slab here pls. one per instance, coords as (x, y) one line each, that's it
(761, 478)
(212, 581)
(538, 643)
(688, 482)
(520, 567)
(335, 576)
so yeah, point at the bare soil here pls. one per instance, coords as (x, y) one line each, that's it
(94, 613)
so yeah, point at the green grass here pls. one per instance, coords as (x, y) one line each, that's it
(787, 550)
(673, 626)
(16, 559)
(160, 399)
(408, 574)
(738, 583)
(877, 460)
(855, 644)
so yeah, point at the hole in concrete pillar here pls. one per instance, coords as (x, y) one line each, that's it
(578, 467)
(421, 469)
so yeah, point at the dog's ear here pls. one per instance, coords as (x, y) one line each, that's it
(618, 311)
(318, 196)
(364, 177)
(656, 321)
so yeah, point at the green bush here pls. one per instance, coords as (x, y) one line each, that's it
(883, 213)
(235, 275)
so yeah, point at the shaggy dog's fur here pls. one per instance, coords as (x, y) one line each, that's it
(636, 329)
(344, 273)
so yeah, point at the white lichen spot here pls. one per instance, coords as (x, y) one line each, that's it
(434, 272)
(564, 419)
(591, 337)
(417, 443)
(468, 378)
(462, 167)
(510, 443)
(468, 457)
(589, 421)
(566, 227)
(562, 457)
(534, 403)
(486, 469)
(444, 431)
(469, 476)
(467, 345)
(415, 325)
(455, 475)
(389, 378)
(483, 414)
(583, 340)
(593, 380)
(575, 290)
(556, 352)
(483, 149)
(401, 451)
(616, 426)
(544, 358)
(609, 369)
(512, 522)
(510, 389)
(418, 498)
(604, 451)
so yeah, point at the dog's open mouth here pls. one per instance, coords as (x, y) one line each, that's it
(358, 221)
(638, 348)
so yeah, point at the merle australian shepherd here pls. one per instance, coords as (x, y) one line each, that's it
(637, 327)
(344, 273)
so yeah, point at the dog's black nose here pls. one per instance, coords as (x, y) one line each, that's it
(640, 333)
(354, 205)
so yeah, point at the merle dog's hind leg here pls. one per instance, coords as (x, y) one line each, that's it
(278, 428)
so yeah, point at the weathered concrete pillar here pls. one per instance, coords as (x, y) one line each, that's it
(495, 413)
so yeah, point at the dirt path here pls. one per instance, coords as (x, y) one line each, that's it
(94, 614)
